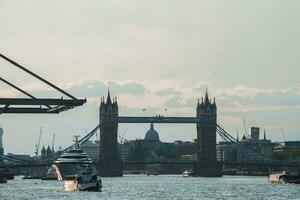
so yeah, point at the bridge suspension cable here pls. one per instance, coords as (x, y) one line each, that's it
(85, 138)
(239, 147)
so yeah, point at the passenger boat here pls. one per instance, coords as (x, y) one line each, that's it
(285, 177)
(77, 170)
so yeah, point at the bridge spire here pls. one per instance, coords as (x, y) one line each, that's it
(206, 99)
(108, 100)
(198, 104)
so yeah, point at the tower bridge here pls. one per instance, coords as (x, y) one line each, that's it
(205, 120)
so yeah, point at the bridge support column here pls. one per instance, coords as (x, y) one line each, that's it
(110, 164)
(207, 165)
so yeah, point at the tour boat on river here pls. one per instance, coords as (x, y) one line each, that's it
(77, 170)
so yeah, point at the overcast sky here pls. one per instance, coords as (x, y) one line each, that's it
(153, 55)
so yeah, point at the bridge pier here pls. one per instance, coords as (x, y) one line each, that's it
(208, 169)
(109, 164)
(112, 168)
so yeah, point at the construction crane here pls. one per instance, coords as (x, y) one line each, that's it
(53, 142)
(237, 134)
(121, 138)
(246, 132)
(283, 135)
(37, 146)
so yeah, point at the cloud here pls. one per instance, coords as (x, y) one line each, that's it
(202, 86)
(168, 91)
(176, 101)
(129, 88)
(250, 92)
(91, 88)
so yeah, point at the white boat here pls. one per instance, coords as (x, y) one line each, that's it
(77, 170)
(187, 173)
(285, 177)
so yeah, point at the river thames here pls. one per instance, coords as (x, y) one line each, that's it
(156, 187)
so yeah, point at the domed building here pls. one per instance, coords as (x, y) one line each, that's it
(151, 143)
(152, 134)
(150, 148)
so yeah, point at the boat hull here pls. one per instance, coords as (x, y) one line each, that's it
(86, 185)
(65, 170)
(284, 178)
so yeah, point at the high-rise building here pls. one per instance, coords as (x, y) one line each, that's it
(254, 132)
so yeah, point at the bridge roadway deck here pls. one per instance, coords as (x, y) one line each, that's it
(159, 119)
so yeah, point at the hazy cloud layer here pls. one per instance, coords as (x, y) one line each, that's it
(153, 55)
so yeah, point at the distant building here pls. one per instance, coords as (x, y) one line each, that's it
(185, 148)
(227, 151)
(151, 148)
(92, 149)
(254, 133)
(288, 150)
(46, 153)
(145, 149)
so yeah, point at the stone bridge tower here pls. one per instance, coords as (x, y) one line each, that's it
(207, 164)
(110, 163)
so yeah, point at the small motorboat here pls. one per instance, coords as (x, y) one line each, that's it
(285, 177)
(187, 173)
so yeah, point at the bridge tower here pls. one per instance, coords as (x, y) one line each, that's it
(207, 164)
(110, 163)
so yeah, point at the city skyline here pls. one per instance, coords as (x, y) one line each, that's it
(244, 53)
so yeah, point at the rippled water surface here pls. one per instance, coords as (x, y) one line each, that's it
(156, 187)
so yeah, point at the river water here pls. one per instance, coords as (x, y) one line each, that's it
(156, 187)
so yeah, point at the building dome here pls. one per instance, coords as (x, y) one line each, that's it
(152, 134)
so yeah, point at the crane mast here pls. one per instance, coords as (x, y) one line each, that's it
(246, 132)
(53, 142)
(283, 134)
(237, 134)
(37, 146)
